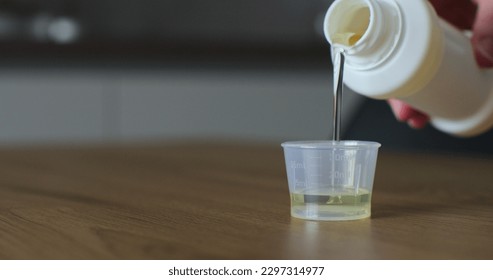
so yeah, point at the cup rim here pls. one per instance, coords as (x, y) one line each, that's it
(330, 144)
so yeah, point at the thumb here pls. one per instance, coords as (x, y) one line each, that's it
(482, 38)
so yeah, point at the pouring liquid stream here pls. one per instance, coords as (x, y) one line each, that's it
(338, 89)
(340, 40)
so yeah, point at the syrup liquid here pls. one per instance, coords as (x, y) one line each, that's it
(345, 39)
(324, 204)
(338, 89)
(338, 202)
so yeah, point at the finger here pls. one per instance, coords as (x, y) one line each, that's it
(401, 110)
(482, 38)
(418, 121)
(406, 113)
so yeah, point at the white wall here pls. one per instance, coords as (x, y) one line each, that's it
(54, 106)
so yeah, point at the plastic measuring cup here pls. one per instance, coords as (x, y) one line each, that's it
(330, 180)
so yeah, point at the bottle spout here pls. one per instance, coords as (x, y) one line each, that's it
(367, 30)
(346, 22)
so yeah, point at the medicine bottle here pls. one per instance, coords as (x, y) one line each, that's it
(402, 49)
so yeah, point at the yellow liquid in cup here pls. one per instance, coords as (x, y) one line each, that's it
(323, 204)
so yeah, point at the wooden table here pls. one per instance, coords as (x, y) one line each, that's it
(230, 201)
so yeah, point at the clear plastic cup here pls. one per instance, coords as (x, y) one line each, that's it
(330, 180)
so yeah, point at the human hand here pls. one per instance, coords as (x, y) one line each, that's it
(464, 14)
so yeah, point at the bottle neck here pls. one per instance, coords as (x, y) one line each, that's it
(366, 30)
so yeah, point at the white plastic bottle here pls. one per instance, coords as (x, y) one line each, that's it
(407, 52)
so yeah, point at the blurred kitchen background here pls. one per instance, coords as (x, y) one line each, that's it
(151, 70)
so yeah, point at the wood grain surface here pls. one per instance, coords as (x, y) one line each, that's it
(231, 201)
